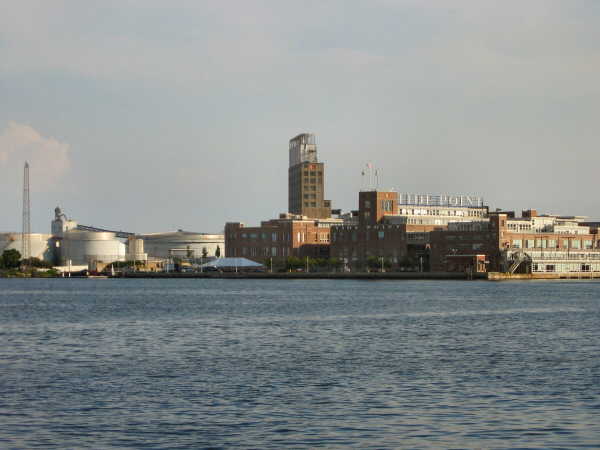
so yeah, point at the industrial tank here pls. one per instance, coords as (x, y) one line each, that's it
(39, 243)
(83, 247)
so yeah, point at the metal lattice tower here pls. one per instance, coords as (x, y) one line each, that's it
(26, 235)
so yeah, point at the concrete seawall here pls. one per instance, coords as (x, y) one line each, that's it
(314, 276)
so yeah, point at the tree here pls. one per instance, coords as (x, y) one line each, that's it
(204, 253)
(189, 251)
(373, 263)
(406, 263)
(40, 264)
(307, 262)
(270, 263)
(218, 252)
(11, 258)
(292, 263)
(321, 262)
(334, 263)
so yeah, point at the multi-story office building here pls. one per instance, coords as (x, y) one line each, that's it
(306, 180)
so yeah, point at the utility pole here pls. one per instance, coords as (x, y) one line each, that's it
(26, 231)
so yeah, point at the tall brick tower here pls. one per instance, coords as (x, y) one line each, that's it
(306, 180)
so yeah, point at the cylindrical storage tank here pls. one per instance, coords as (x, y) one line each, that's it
(83, 247)
(39, 244)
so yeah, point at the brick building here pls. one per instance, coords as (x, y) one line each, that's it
(529, 244)
(279, 238)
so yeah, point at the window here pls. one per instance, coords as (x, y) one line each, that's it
(577, 245)
(264, 251)
(518, 243)
(305, 173)
(252, 251)
(313, 196)
(263, 237)
(312, 173)
(478, 246)
(274, 251)
(387, 205)
(244, 251)
(355, 236)
(253, 237)
(243, 237)
(313, 188)
(274, 237)
(552, 243)
(367, 215)
(588, 245)
(305, 196)
(313, 204)
(381, 234)
(367, 204)
(530, 243)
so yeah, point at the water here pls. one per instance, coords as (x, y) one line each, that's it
(271, 364)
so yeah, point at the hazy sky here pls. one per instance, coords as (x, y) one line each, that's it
(148, 116)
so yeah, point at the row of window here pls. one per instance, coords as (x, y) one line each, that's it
(345, 236)
(551, 243)
(264, 237)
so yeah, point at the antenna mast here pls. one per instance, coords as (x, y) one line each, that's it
(26, 234)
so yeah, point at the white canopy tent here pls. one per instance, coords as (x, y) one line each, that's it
(230, 263)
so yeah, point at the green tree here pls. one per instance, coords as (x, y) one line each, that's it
(307, 261)
(11, 258)
(334, 263)
(292, 263)
(218, 252)
(406, 263)
(189, 251)
(321, 262)
(373, 262)
(40, 264)
(204, 253)
(270, 262)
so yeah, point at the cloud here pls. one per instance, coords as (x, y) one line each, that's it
(47, 158)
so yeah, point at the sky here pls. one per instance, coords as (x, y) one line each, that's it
(150, 116)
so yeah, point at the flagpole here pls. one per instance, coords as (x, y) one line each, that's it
(369, 174)
(377, 175)
(362, 185)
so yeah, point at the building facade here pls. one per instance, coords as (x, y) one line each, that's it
(530, 244)
(278, 239)
(306, 180)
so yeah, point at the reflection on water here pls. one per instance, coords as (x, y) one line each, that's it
(298, 364)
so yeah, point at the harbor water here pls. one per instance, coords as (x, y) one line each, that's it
(302, 364)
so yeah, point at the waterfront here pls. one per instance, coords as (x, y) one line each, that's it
(222, 363)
